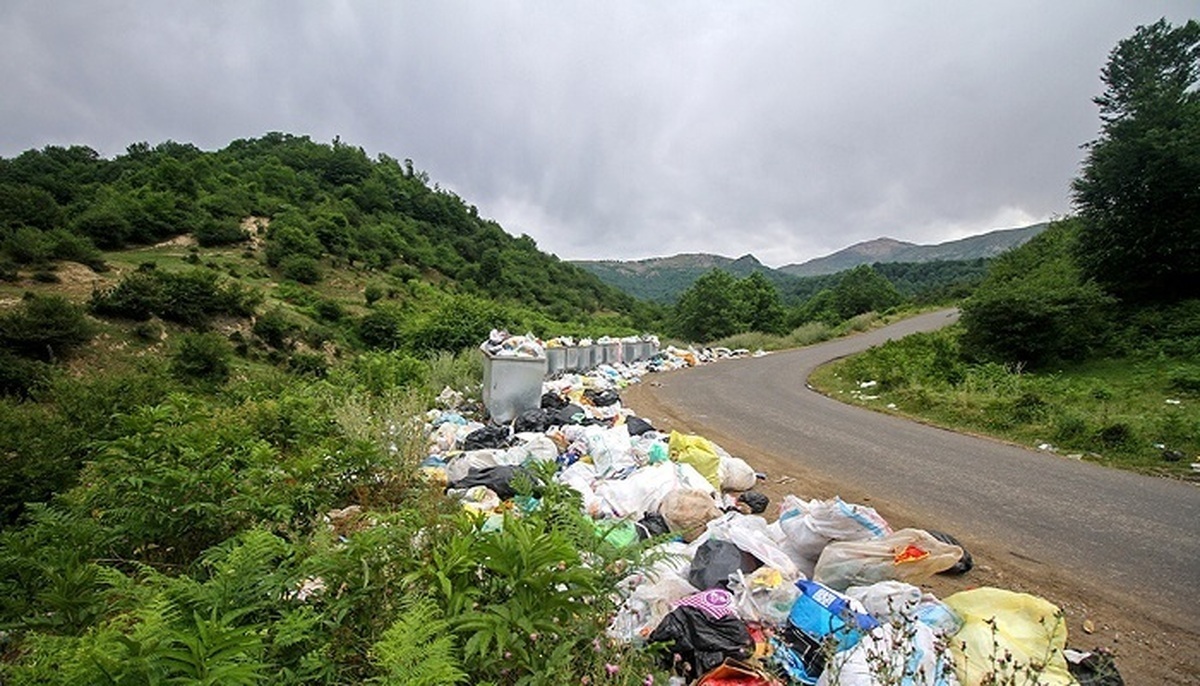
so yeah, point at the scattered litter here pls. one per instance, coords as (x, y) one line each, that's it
(1172, 401)
(868, 384)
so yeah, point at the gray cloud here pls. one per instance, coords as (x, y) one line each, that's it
(612, 130)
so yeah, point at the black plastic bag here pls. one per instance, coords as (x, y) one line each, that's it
(754, 501)
(601, 398)
(487, 437)
(531, 420)
(965, 563)
(499, 479)
(636, 426)
(552, 401)
(568, 414)
(715, 561)
(651, 525)
(701, 642)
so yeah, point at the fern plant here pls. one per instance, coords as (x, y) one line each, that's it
(419, 649)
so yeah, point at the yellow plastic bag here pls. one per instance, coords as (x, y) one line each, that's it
(698, 452)
(997, 623)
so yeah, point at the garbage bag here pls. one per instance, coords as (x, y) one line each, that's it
(552, 402)
(965, 563)
(460, 465)
(499, 479)
(908, 555)
(892, 653)
(487, 437)
(535, 420)
(687, 511)
(715, 560)
(651, 525)
(735, 474)
(602, 398)
(568, 414)
(821, 622)
(997, 623)
(644, 609)
(610, 449)
(763, 596)
(530, 447)
(698, 452)
(754, 501)
(892, 601)
(749, 533)
(636, 426)
(810, 526)
(714, 602)
(701, 642)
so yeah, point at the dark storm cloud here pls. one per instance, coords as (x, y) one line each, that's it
(611, 129)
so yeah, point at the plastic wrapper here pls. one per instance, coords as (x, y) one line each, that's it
(750, 534)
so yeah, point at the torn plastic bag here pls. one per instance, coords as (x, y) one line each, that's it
(737, 673)
(636, 426)
(821, 622)
(1093, 669)
(717, 603)
(897, 653)
(700, 641)
(965, 563)
(754, 501)
(536, 420)
(479, 499)
(749, 533)
(581, 476)
(500, 479)
(568, 414)
(698, 452)
(687, 511)
(735, 474)
(998, 623)
(487, 437)
(715, 560)
(620, 533)
(910, 555)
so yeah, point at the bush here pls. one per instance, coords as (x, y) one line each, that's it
(301, 268)
(44, 327)
(275, 328)
(220, 232)
(20, 377)
(381, 329)
(190, 298)
(380, 373)
(202, 357)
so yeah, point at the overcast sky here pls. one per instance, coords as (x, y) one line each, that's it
(612, 130)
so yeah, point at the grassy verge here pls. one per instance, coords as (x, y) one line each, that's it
(816, 332)
(1140, 414)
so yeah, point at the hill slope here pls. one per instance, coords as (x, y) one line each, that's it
(888, 250)
(662, 279)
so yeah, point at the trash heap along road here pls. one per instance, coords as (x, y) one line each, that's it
(819, 592)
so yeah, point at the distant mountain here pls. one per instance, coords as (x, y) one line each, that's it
(662, 279)
(888, 250)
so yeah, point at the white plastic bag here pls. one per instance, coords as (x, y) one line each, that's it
(889, 601)
(911, 555)
(610, 449)
(810, 526)
(646, 607)
(763, 595)
(460, 465)
(532, 447)
(892, 653)
(640, 492)
(735, 474)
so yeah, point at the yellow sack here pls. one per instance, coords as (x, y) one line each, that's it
(1029, 628)
(698, 452)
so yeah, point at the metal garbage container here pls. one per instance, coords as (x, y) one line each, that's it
(512, 385)
(574, 358)
(556, 360)
(631, 351)
(586, 357)
(610, 353)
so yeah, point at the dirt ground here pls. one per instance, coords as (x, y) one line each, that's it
(1148, 651)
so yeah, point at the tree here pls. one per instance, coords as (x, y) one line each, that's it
(761, 304)
(861, 290)
(1139, 192)
(710, 309)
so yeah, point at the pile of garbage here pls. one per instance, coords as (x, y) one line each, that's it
(826, 593)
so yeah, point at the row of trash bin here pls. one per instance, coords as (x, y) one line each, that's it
(514, 366)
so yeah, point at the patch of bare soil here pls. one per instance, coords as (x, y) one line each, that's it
(1148, 651)
(186, 240)
(75, 282)
(256, 228)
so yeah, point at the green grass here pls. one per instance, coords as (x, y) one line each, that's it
(1119, 412)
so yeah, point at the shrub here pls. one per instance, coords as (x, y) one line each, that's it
(44, 327)
(381, 329)
(220, 232)
(275, 328)
(1115, 435)
(308, 364)
(190, 298)
(301, 268)
(20, 377)
(382, 372)
(202, 357)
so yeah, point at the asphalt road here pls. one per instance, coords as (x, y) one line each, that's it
(1113, 531)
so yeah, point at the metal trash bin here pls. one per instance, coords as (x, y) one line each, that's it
(574, 360)
(556, 360)
(585, 358)
(631, 351)
(512, 385)
(610, 353)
